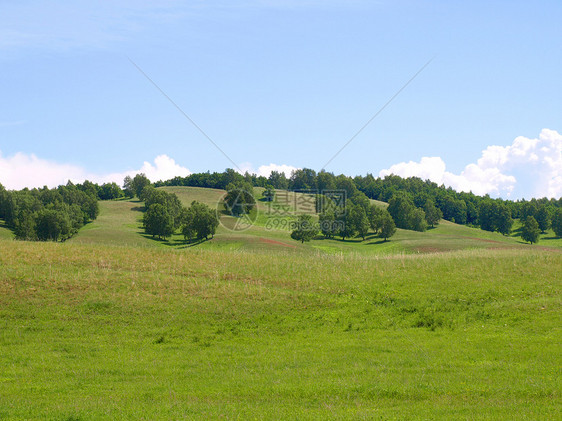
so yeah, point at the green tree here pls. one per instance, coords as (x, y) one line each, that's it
(346, 184)
(304, 229)
(325, 182)
(8, 206)
(557, 222)
(278, 180)
(487, 215)
(239, 199)
(49, 214)
(503, 220)
(147, 193)
(169, 200)
(187, 228)
(471, 213)
(89, 188)
(90, 207)
(52, 224)
(140, 181)
(158, 222)
(304, 179)
(454, 209)
(110, 191)
(200, 221)
(388, 227)
(531, 230)
(75, 216)
(25, 226)
(128, 187)
(346, 227)
(400, 207)
(543, 218)
(360, 199)
(529, 209)
(416, 220)
(432, 213)
(358, 217)
(375, 215)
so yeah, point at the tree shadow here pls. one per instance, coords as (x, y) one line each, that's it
(351, 240)
(150, 237)
(380, 241)
(176, 243)
(354, 240)
(371, 236)
(191, 243)
(138, 209)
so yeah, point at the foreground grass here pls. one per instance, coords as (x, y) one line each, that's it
(101, 332)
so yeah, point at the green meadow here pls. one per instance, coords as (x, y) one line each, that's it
(453, 323)
(120, 223)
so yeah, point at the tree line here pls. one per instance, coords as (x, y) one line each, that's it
(56, 214)
(356, 221)
(48, 214)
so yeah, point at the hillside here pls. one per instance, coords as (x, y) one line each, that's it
(120, 223)
(453, 323)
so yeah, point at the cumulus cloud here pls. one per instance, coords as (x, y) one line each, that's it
(22, 170)
(497, 171)
(164, 168)
(265, 170)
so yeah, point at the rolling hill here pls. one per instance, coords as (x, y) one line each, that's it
(120, 223)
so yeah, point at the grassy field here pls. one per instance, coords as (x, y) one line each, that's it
(91, 331)
(453, 323)
(119, 223)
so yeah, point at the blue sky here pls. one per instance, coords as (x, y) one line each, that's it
(288, 83)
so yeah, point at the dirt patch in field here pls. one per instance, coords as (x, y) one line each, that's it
(279, 243)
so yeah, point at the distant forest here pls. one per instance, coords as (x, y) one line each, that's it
(57, 214)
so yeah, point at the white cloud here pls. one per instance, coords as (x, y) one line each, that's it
(538, 160)
(165, 168)
(265, 170)
(500, 171)
(21, 170)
